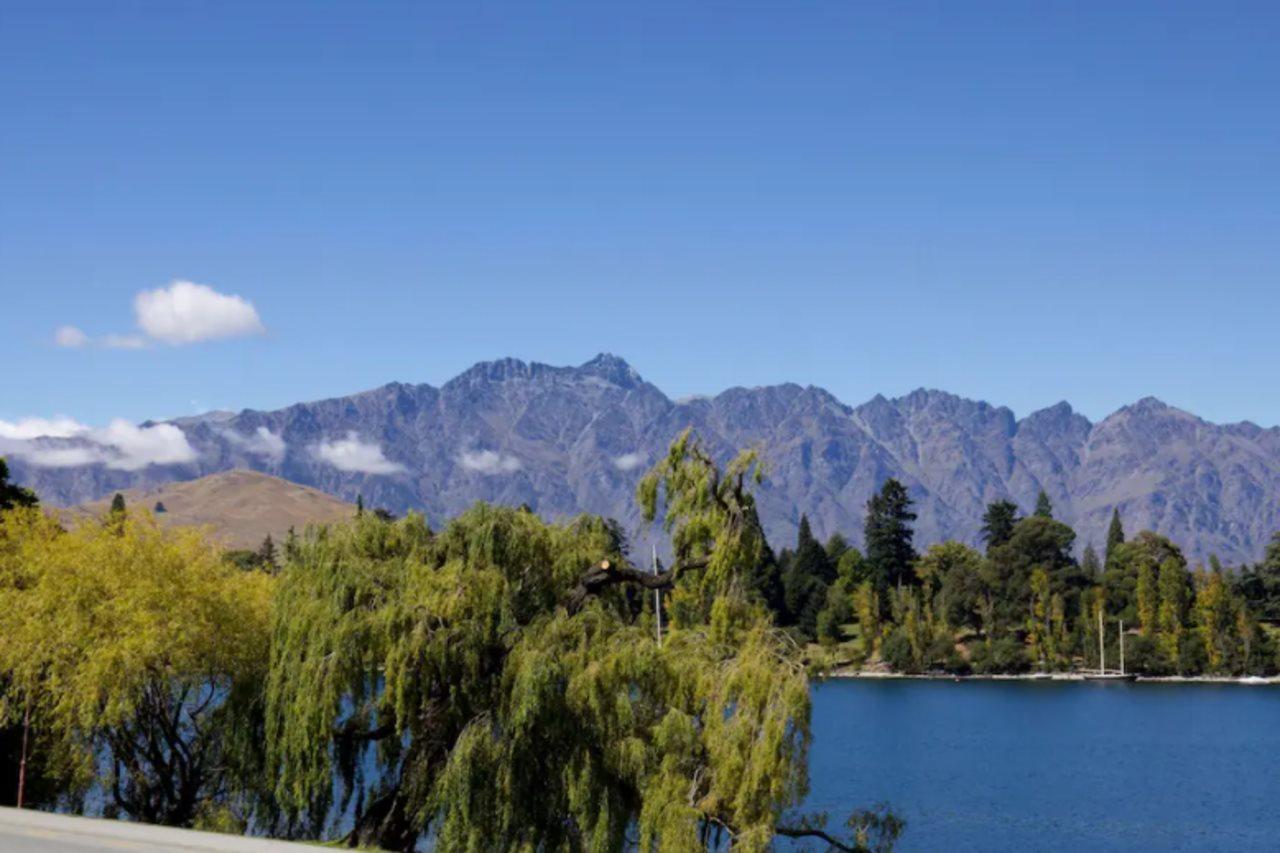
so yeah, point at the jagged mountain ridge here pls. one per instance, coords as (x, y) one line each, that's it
(570, 439)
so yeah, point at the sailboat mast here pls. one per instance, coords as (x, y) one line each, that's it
(1122, 647)
(1102, 647)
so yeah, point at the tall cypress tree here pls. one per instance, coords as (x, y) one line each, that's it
(998, 523)
(1115, 535)
(805, 583)
(1044, 506)
(888, 535)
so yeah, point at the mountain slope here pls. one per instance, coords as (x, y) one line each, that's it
(570, 439)
(241, 507)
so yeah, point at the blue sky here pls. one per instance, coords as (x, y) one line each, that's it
(1017, 202)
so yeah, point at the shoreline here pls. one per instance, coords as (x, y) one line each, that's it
(1074, 677)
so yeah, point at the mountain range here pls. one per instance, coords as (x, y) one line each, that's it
(571, 439)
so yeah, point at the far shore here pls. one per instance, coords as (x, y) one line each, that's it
(1248, 681)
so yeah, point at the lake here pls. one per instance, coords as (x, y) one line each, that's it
(1042, 766)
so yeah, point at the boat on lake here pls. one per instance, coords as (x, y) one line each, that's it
(1102, 674)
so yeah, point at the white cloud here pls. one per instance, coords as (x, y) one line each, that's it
(56, 427)
(628, 461)
(120, 445)
(57, 457)
(136, 447)
(186, 312)
(353, 454)
(489, 462)
(70, 336)
(124, 342)
(262, 442)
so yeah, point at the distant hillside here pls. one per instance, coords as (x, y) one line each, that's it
(572, 439)
(241, 506)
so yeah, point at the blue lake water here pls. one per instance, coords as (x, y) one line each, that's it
(1034, 766)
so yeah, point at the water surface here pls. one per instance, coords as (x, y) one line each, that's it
(1042, 766)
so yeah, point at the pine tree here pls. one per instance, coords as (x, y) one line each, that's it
(1115, 535)
(11, 495)
(1044, 507)
(267, 553)
(888, 535)
(807, 578)
(117, 514)
(159, 508)
(359, 505)
(998, 523)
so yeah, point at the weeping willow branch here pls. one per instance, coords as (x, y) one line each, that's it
(606, 574)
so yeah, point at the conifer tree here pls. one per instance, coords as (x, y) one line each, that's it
(267, 553)
(12, 495)
(1115, 535)
(808, 576)
(888, 536)
(1044, 507)
(998, 523)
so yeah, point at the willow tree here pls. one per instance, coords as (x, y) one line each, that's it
(130, 653)
(496, 685)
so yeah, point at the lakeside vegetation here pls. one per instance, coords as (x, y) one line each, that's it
(496, 684)
(1024, 603)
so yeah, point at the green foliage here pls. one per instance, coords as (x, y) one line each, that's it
(1044, 507)
(1115, 535)
(1125, 567)
(888, 536)
(11, 495)
(952, 575)
(1036, 542)
(1259, 585)
(510, 697)
(998, 523)
(809, 573)
(132, 648)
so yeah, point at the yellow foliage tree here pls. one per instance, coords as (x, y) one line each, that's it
(125, 645)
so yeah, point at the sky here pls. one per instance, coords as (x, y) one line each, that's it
(244, 205)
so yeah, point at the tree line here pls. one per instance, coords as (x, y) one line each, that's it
(1024, 601)
(499, 683)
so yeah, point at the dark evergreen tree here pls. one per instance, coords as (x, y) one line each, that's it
(836, 547)
(1044, 506)
(805, 584)
(13, 495)
(1259, 585)
(159, 508)
(888, 536)
(1036, 543)
(1115, 535)
(267, 553)
(117, 504)
(998, 523)
(359, 505)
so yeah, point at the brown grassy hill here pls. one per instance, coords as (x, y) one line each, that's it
(241, 506)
